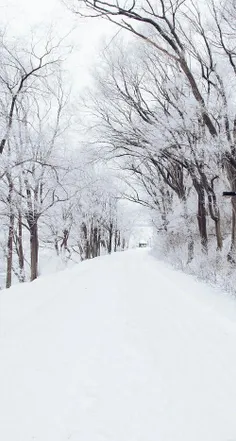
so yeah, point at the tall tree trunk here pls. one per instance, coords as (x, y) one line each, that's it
(219, 239)
(202, 225)
(231, 253)
(64, 243)
(86, 241)
(115, 240)
(91, 239)
(201, 214)
(95, 245)
(123, 244)
(10, 250)
(87, 250)
(56, 246)
(10, 233)
(215, 216)
(110, 236)
(118, 240)
(213, 207)
(231, 173)
(34, 248)
(21, 249)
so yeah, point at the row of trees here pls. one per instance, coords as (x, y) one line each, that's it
(51, 195)
(162, 106)
(166, 109)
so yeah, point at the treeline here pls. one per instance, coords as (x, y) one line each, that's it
(51, 194)
(165, 103)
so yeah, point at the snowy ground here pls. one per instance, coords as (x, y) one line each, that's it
(120, 348)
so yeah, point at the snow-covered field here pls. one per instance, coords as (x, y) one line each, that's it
(120, 348)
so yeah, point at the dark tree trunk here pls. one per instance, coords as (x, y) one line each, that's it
(10, 234)
(110, 237)
(202, 225)
(213, 207)
(86, 241)
(95, 245)
(64, 243)
(34, 248)
(219, 240)
(118, 240)
(115, 241)
(232, 179)
(56, 246)
(201, 214)
(21, 250)
(231, 253)
(87, 250)
(10, 250)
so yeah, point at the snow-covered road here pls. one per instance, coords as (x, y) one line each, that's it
(120, 348)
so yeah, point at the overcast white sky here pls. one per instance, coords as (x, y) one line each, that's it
(21, 16)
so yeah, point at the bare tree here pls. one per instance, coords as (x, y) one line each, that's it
(22, 72)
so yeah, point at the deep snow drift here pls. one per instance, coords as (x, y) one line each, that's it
(120, 348)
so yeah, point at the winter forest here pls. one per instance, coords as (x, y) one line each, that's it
(155, 128)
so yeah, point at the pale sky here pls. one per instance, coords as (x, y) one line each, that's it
(20, 16)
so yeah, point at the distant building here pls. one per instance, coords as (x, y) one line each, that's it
(143, 244)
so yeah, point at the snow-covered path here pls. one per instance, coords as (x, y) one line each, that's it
(120, 348)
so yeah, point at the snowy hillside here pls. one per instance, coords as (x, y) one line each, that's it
(120, 348)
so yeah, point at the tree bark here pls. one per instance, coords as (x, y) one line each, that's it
(201, 213)
(34, 247)
(232, 179)
(115, 240)
(110, 236)
(56, 246)
(213, 208)
(10, 234)
(95, 247)
(86, 241)
(21, 250)
(231, 253)
(201, 217)
(10, 250)
(64, 243)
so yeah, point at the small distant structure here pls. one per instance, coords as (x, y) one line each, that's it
(142, 244)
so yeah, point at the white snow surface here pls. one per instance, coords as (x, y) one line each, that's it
(120, 348)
